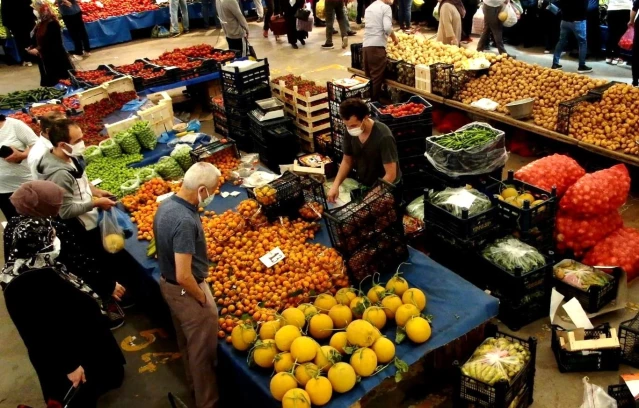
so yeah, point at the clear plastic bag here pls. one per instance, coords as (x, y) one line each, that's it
(311, 211)
(112, 233)
(596, 397)
(510, 254)
(182, 154)
(91, 153)
(455, 200)
(512, 18)
(579, 275)
(627, 39)
(416, 208)
(480, 159)
(495, 360)
(146, 174)
(169, 169)
(130, 186)
(110, 148)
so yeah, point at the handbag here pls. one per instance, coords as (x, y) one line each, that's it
(278, 25)
(303, 14)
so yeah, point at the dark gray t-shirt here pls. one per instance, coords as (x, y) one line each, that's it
(379, 149)
(178, 229)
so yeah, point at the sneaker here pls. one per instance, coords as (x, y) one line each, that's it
(295, 47)
(86, 54)
(26, 64)
(302, 42)
(187, 31)
(584, 69)
(546, 51)
(328, 46)
(609, 61)
(76, 57)
(320, 23)
(173, 35)
(557, 66)
(351, 33)
(115, 315)
(116, 323)
(344, 42)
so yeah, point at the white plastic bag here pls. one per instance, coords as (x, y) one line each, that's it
(478, 22)
(112, 234)
(512, 16)
(596, 397)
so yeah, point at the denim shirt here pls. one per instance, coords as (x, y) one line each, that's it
(68, 11)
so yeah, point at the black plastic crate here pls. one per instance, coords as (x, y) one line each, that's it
(273, 156)
(412, 130)
(596, 297)
(501, 394)
(221, 129)
(441, 79)
(141, 83)
(237, 120)
(291, 193)
(382, 254)
(415, 180)
(587, 360)
(391, 69)
(463, 228)
(339, 93)
(262, 131)
(333, 110)
(357, 56)
(242, 137)
(621, 393)
(246, 79)
(439, 181)
(203, 152)
(222, 61)
(527, 217)
(406, 73)
(360, 221)
(435, 231)
(323, 143)
(79, 83)
(568, 108)
(245, 100)
(412, 164)
(515, 313)
(411, 147)
(387, 119)
(629, 339)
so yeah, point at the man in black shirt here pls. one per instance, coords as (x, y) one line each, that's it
(369, 147)
(573, 20)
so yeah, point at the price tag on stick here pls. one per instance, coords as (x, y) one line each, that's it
(272, 257)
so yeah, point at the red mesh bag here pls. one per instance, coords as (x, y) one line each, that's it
(580, 233)
(621, 248)
(597, 193)
(556, 170)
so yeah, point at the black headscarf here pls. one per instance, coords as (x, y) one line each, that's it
(458, 5)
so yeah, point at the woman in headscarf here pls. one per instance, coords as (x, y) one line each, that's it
(59, 317)
(451, 13)
(53, 60)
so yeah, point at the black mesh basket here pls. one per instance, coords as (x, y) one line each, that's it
(629, 339)
(621, 393)
(586, 360)
(568, 108)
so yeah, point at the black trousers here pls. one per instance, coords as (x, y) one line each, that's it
(6, 207)
(270, 6)
(22, 35)
(594, 33)
(552, 24)
(635, 56)
(237, 44)
(471, 7)
(78, 33)
(617, 26)
(361, 6)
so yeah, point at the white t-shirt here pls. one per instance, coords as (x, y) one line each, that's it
(18, 135)
(494, 3)
(35, 154)
(614, 5)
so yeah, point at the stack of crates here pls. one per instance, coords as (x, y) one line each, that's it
(410, 134)
(241, 87)
(274, 140)
(336, 95)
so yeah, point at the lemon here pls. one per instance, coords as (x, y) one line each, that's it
(281, 383)
(364, 362)
(342, 377)
(264, 353)
(283, 362)
(384, 350)
(376, 293)
(308, 309)
(361, 333)
(294, 316)
(268, 329)
(418, 330)
(324, 302)
(305, 372)
(415, 297)
(338, 341)
(509, 192)
(344, 296)
(376, 316)
(405, 312)
(296, 398)
(341, 316)
(326, 356)
(285, 336)
(320, 326)
(243, 336)
(397, 285)
(303, 349)
(390, 304)
(320, 390)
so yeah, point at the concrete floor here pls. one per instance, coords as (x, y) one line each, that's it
(146, 384)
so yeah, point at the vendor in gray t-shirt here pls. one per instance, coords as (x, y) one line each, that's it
(369, 147)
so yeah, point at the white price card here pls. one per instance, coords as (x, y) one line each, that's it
(96, 182)
(272, 257)
(164, 197)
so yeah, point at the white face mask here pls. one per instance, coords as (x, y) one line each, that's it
(356, 131)
(55, 252)
(203, 203)
(76, 150)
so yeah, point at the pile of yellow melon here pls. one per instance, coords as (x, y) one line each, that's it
(307, 372)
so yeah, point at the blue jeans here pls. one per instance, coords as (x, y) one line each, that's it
(173, 10)
(403, 12)
(578, 28)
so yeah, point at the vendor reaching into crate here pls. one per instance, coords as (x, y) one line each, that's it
(379, 25)
(371, 149)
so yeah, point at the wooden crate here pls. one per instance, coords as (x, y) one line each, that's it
(310, 104)
(422, 78)
(91, 96)
(124, 84)
(162, 98)
(311, 128)
(114, 128)
(160, 118)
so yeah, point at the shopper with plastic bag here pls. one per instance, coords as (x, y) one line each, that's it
(617, 17)
(573, 22)
(492, 25)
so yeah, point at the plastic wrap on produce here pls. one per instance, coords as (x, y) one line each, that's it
(579, 275)
(480, 159)
(495, 360)
(146, 174)
(596, 397)
(416, 208)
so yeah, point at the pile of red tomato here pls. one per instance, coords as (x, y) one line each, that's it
(93, 10)
(177, 59)
(140, 69)
(400, 110)
(94, 77)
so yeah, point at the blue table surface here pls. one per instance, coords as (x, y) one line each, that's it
(457, 307)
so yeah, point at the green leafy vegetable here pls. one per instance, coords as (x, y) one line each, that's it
(510, 254)
(454, 200)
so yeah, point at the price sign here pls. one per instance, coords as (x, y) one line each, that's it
(96, 182)
(272, 257)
